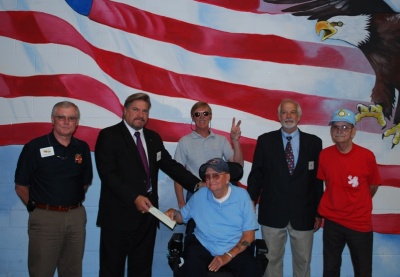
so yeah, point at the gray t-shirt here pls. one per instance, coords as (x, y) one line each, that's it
(193, 150)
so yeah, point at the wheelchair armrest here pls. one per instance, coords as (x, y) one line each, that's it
(261, 251)
(261, 246)
(175, 247)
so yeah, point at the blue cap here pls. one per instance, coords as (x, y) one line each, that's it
(344, 115)
(218, 164)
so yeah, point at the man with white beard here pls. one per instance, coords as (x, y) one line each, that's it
(283, 177)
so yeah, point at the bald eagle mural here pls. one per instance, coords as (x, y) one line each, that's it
(373, 26)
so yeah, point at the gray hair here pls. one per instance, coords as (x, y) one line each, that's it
(65, 104)
(284, 101)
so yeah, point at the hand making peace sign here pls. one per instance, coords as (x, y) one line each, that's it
(235, 130)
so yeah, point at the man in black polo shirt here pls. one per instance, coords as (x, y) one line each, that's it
(52, 176)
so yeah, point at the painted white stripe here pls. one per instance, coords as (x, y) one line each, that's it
(38, 109)
(58, 59)
(386, 200)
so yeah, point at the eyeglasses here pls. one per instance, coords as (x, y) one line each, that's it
(197, 114)
(64, 118)
(344, 128)
(213, 176)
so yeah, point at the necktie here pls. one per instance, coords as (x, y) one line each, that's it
(142, 154)
(289, 155)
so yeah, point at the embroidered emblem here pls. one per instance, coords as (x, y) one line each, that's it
(78, 158)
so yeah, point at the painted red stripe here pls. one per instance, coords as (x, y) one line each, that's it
(390, 175)
(386, 223)
(16, 134)
(248, 5)
(36, 27)
(140, 76)
(224, 44)
(172, 132)
(72, 85)
(175, 85)
(253, 6)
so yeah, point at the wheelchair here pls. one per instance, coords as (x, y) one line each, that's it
(176, 243)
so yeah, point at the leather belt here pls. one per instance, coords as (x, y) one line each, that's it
(57, 208)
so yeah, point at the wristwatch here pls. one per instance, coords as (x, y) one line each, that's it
(30, 206)
(196, 187)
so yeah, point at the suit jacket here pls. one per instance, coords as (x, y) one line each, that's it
(123, 177)
(286, 198)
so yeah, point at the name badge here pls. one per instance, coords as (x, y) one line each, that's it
(47, 152)
(158, 156)
(310, 165)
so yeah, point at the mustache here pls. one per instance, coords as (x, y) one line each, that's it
(139, 118)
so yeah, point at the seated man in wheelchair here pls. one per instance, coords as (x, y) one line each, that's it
(225, 225)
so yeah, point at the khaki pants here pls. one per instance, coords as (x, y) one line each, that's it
(301, 245)
(56, 240)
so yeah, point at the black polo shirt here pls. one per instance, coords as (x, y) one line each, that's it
(56, 175)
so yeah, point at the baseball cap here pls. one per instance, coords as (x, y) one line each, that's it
(218, 164)
(343, 115)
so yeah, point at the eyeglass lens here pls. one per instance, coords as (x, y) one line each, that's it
(64, 118)
(343, 128)
(213, 176)
(197, 114)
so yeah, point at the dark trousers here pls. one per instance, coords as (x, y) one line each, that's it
(197, 258)
(116, 246)
(335, 237)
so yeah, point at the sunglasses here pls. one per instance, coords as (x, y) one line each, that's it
(213, 176)
(197, 114)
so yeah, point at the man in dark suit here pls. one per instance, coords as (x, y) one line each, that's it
(129, 189)
(283, 175)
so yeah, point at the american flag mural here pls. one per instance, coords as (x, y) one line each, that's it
(242, 57)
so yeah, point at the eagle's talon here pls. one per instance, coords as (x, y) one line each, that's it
(375, 111)
(395, 131)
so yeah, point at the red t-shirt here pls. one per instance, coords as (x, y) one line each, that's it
(347, 199)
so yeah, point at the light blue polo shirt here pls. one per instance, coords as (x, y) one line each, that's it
(219, 226)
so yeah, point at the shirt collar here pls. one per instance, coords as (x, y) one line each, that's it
(133, 131)
(294, 135)
(197, 135)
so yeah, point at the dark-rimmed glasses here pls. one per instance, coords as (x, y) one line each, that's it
(64, 118)
(343, 129)
(197, 114)
(213, 176)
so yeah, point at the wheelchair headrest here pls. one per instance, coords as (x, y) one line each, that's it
(236, 171)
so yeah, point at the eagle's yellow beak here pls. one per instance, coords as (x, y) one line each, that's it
(326, 27)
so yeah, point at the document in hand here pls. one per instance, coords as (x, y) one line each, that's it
(162, 217)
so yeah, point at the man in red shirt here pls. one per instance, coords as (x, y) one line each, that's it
(351, 179)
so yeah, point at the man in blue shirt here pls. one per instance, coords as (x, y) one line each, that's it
(225, 225)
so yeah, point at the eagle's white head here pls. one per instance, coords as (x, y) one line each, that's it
(350, 29)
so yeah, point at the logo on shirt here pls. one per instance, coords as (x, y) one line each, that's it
(353, 181)
(78, 158)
